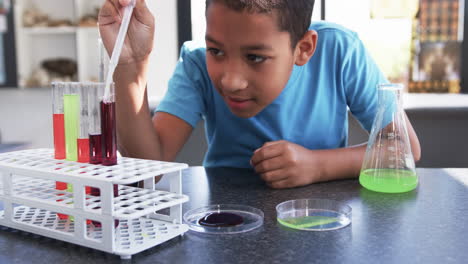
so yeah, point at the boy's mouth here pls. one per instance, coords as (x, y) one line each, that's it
(237, 103)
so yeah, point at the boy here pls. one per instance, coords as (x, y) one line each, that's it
(273, 91)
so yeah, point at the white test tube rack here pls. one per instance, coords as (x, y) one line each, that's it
(31, 202)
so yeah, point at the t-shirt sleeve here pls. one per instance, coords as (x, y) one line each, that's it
(361, 77)
(187, 86)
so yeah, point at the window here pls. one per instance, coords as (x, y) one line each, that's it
(382, 25)
(7, 46)
(199, 24)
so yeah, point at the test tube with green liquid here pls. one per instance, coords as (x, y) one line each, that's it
(71, 109)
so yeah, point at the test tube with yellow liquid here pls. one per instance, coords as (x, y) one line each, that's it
(71, 108)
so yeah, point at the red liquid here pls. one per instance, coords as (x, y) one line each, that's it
(61, 186)
(95, 154)
(97, 192)
(109, 137)
(64, 186)
(59, 136)
(83, 150)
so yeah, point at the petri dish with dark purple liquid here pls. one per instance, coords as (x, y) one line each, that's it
(221, 219)
(224, 219)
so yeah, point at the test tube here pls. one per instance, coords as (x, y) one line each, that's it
(58, 90)
(71, 108)
(95, 153)
(58, 120)
(95, 93)
(107, 112)
(83, 138)
(108, 130)
(103, 61)
(96, 142)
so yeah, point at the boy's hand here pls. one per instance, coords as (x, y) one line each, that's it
(139, 41)
(283, 164)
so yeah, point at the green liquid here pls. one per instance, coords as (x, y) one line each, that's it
(307, 222)
(71, 109)
(388, 180)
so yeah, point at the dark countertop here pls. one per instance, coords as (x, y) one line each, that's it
(12, 146)
(427, 225)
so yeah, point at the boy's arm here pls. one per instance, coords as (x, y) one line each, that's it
(346, 162)
(414, 141)
(138, 135)
(283, 164)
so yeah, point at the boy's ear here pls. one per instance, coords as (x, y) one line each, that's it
(305, 48)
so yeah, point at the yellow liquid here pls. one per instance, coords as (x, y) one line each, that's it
(71, 108)
(307, 222)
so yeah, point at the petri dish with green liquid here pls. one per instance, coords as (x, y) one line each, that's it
(313, 214)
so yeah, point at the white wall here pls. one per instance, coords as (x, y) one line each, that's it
(164, 56)
(26, 114)
(163, 59)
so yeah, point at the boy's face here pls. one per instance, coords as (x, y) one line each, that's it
(249, 60)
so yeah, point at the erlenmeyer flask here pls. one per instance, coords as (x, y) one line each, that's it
(388, 164)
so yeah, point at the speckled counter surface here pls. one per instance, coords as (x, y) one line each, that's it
(428, 225)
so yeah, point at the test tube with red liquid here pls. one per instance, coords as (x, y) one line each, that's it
(94, 130)
(108, 130)
(58, 90)
(83, 138)
(58, 120)
(107, 111)
(102, 134)
(95, 94)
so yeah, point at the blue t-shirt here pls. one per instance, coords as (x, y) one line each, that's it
(311, 110)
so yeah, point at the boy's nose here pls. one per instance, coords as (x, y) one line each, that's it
(232, 82)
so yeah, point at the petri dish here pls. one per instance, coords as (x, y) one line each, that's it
(313, 214)
(224, 219)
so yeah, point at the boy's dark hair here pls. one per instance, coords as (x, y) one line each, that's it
(294, 16)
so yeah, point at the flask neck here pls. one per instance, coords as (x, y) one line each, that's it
(390, 96)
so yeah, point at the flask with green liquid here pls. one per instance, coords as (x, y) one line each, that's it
(388, 164)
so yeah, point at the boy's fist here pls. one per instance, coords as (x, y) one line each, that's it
(139, 40)
(283, 164)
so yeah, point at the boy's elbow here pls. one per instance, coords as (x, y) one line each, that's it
(415, 147)
(417, 154)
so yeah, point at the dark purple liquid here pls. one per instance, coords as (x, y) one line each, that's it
(109, 134)
(97, 192)
(221, 220)
(108, 145)
(95, 154)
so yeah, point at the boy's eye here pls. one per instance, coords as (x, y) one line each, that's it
(215, 52)
(256, 58)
